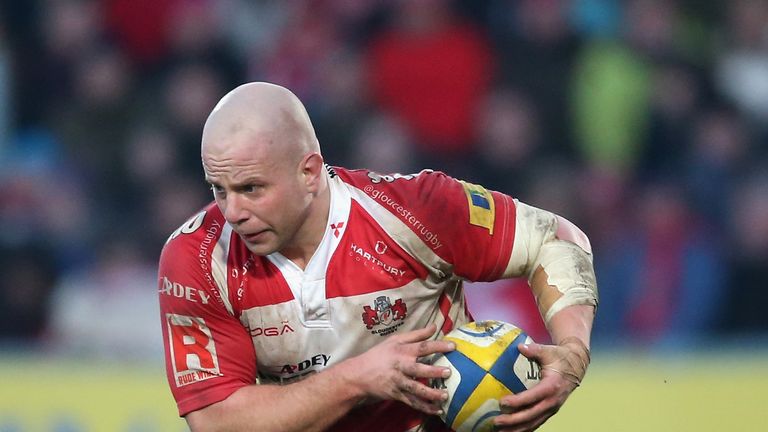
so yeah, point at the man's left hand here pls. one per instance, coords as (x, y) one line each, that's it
(562, 369)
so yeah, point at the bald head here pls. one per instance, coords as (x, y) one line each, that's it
(266, 116)
(263, 162)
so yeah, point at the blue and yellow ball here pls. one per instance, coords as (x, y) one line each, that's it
(485, 366)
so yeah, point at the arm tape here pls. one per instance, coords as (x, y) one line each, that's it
(543, 239)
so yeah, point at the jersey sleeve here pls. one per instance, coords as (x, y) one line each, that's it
(484, 220)
(470, 227)
(208, 353)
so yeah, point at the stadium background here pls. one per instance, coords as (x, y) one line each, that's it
(643, 121)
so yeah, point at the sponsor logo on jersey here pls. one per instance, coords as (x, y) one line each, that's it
(175, 289)
(482, 212)
(384, 313)
(272, 331)
(236, 273)
(380, 247)
(369, 257)
(337, 227)
(289, 373)
(304, 366)
(192, 350)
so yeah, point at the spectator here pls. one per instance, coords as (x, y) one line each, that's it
(509, 142)
(383, 145)
(196, 36)
(6, 83)
(294, 58)
(536, 47)
(94, 126)
(742, 69)
(189, 92)
(676, 95)
(25, 292)
(667, 278)
(748, 258)
(343, 104)
(140, 28)
(117, 282)
(431, 69)
(716, 157)
(613, 85)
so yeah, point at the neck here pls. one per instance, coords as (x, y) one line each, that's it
(311, 233)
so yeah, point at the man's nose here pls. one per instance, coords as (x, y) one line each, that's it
(234, 211)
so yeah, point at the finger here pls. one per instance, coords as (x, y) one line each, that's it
(532, 351)
(542, 354)
(530, 414)
(419, 334)
(432, 408)
(546, 388)
(421, 370)
(428, 347)
(421, 390)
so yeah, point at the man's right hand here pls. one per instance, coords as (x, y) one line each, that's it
(393, 370)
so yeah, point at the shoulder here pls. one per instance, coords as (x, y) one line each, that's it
(424, 182)
(428, 193)
(189, 271)
(197, 235)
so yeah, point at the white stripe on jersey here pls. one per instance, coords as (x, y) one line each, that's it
(220, 256)
(308, 285)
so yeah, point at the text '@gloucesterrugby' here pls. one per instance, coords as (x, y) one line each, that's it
(429, 236)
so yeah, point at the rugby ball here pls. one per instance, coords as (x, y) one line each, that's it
(485, 366)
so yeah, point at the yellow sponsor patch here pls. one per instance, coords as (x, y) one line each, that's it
(482, 212)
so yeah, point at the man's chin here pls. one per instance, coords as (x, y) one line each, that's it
(261, 249)
(259, 244)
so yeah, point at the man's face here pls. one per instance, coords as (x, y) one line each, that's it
(261, 192)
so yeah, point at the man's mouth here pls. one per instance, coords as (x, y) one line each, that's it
(254, 237)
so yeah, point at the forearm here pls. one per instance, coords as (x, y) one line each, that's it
(572, 322)
(313, 404)
(569, 327)
(564, 285)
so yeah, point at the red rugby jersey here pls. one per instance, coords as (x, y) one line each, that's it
(392, 259)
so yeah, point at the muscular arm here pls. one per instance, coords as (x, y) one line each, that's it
(557, 258)
(387, 371)
(309, 405)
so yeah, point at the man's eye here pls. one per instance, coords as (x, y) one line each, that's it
(218, 190)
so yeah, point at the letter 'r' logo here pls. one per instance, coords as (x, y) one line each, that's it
(192, 351)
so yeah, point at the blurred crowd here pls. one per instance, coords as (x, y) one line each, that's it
(643, 121)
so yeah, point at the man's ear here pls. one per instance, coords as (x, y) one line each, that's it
(312, 169)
